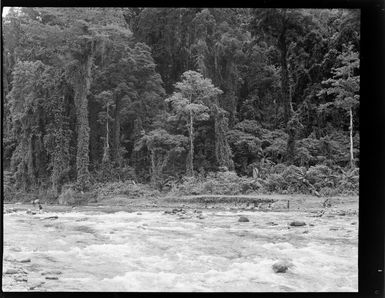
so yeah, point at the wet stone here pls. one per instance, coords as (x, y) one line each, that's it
(243, 219)
(281, 266)
(52, 217)
(36, 285)
(52, 277)
(271, 223)
(297, 223)
(10, 271)
(22, 279)
(26, 260)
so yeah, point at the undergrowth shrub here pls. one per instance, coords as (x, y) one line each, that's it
(321, 176)
(67, 197)
(225, 183)
(317, 180)
(8, 186)
(127, 188)
(328, 192)
(109, 173)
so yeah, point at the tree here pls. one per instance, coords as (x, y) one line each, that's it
(25, 101)
(223, 152)
(129, 75)
(71, 39)
(283, 26)
(345, 86)
(162, 146)
(105, 98)
(191, 103)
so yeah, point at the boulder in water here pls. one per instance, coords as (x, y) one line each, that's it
(297, 223)
(56, 217)
(281, 266)
(272, 223)
(243, 219)
(52, 277)
(10, 271)
(35, 285)
(22, 279)
(26, 260)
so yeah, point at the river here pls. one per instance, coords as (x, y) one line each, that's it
(153, 251)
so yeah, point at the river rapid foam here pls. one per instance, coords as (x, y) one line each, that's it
(152, 251)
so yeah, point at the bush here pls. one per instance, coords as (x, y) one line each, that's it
(275, 183)
(127, 188)
(349, 181)
(328, 192)
(67, 197)
(109, 173)
(321, 176)
(47, 195)
(224, 183)
(8, 186)
(318, 179)
(278, 168)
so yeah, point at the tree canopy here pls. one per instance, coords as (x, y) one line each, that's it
(152, 94)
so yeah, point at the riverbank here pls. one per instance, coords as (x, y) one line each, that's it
(265, 203)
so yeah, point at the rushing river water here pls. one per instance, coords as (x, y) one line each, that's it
(152, 251)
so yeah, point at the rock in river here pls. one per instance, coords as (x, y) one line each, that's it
(297, 223)
(36, 285)
(52, 272)
(22, 279)
(10, 271)
(52, 277)
(281, 266)
(243, 219)
(26, 260)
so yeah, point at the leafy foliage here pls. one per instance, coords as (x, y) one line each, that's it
(99, 95)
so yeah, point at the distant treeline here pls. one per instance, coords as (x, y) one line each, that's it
(155, 94)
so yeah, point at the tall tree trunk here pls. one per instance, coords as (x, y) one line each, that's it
(153, 167)
(117, 132)
(30, 164)
(222, 148)
(351, 138)
(106, 154)
(82, 156)
(288, 110)
(190, 157)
